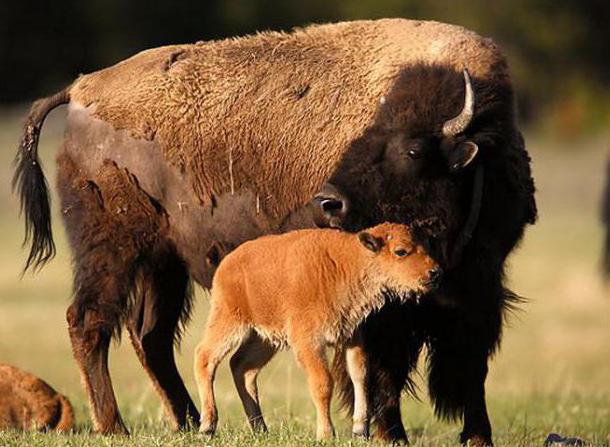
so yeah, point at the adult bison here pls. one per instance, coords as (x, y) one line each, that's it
(177, 155)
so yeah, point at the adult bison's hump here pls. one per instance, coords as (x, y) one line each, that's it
(274, 112)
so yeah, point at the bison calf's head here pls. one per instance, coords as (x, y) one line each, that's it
(402, 264)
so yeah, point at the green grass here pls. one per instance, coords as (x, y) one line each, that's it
(552, 375)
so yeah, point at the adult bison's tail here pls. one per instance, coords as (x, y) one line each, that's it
(29, 182)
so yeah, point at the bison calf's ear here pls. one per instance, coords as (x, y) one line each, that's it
(370, 242)
(462, 155)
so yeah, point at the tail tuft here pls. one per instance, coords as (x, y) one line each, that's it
(31, 186)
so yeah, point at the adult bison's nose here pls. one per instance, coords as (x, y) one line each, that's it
(434, 278)
(330, 207)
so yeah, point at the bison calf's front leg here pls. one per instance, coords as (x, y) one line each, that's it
(357, 370)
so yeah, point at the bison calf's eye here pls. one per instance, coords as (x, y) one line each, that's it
(401, 252)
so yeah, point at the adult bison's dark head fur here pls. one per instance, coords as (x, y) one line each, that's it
(422, 162)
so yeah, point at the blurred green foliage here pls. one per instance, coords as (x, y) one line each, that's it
(559, 50)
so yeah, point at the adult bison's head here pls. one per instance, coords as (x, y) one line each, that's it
(412, 165)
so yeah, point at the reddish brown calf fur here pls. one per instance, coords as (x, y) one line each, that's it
(27, 402)
(305, 289)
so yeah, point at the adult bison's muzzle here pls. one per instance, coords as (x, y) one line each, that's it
(330, 207)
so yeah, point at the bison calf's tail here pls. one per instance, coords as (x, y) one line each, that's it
(31, 186)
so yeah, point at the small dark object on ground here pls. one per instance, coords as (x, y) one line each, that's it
(554, 438)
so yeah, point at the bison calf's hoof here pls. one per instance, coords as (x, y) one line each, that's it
(360, 430)
(207, 429)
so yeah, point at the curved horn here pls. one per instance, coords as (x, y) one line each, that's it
(457, 125)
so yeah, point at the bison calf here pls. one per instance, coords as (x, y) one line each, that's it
(305, 289)
(27, 402)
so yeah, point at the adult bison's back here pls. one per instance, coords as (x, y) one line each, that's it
(177, 155)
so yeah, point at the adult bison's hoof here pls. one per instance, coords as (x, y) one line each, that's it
(117, 429)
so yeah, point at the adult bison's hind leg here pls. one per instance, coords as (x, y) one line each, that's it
(101, 289)
(112, 225)
(163, 299)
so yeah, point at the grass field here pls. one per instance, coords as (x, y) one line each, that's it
(552, 375)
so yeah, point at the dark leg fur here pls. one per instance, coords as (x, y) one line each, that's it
(162, 295)
(112, 226)
(90, 339)
(460, 341)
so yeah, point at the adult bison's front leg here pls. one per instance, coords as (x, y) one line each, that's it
(460, 341)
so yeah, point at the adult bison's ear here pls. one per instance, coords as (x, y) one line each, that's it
(370, 242)
(462, 155)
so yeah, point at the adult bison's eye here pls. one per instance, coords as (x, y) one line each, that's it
(401, 252)
(414, 153)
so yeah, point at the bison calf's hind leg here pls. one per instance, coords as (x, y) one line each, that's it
(222, 334)
(163, 295)
(246, 363)
(312, 359)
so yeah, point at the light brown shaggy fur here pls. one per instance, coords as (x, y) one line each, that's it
(27, 402)
(277, 92)
(306, 289)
